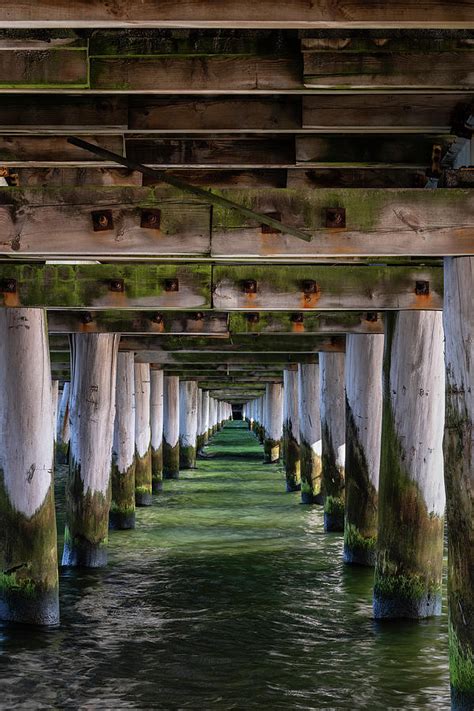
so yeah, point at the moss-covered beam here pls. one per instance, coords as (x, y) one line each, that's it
(299, 322)
(278, 287)
(252, 344)
(106, 286)
(139, 322)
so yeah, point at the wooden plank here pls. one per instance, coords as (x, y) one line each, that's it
(398, 112)
(393, 177)
(43, 68)
(138, 322)
(30, 150)
(194, 113)
(77, 177)
(68, 230)
(281, 287)
(236, 344)
(91, 286)
(68, 113)
(161, 358)
(298, 322)
(225, 74)
(238, 13)
(237, 178)
(381, 70)
(355, 150)
(378, 223)
(230, 152)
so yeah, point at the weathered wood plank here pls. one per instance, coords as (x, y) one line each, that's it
(264, 113)
(31, 150)
(378, 222)
(219, 344)
(326, 288)
(98, 286)
(408, 112)
(54, 67)
(392, 177)
(68, 230)
(284, 323)
(381, 150)
(138, 322)
(226, 74)
(449, 70)
(224, 359)
(64, 113)
(237, 178)
(238, 13)
(230, 152)
(77, 177)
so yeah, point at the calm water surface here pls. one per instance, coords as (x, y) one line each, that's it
(228, 595)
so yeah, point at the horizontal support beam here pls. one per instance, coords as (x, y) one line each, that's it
(299, 322)
(139, 322)
(237, 14)
(246, 343)
(106, 286)
(58, 222)
(162, 358)
(251, 287)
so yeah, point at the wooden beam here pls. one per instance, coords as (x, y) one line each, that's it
(252, 287)
(106, 286)
(42, 151)
(57, 223)
(218, 344)
(138, 322)
(161, 358)
(61, 113)
(238, 14)
(383, 112)
(298, 322)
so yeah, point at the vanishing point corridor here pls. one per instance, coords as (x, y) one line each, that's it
(227, 595)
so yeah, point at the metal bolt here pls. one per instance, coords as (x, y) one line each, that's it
(198, 316)
(117, 285)
(422, 288)
(157, 318)
(297, 318)
(267, 229)
(171, 285)
(335, 216)
(8, 286)
(249, 286)
(252, 318)
(371, 316)
(150, 219)
(102, 220)
(309, 286)
(86, 317)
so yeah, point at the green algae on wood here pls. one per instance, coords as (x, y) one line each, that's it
(143, 478)
(411, 496)
(122, 508)
(170, 461)
(332, 439)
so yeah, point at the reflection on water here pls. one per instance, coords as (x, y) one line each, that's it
(228, 595)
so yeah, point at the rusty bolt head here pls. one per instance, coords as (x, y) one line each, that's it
(157, 318)
(335, 216)
(422, 288)
(267, 229)
(309, 286)
(102, 220)
(150, 219)
(371, 316)
(249, 286)
(117, 285)
(8, 286)
(86, 317)
(198, 316)
(252, 318)
(171, 285)
(297, 318)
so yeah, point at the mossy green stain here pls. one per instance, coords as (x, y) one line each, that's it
(87, 512)
(170, 458)
(28, 546)
(409, 538)
(187, 456)
(143, 473)
(310, 468)
(332, 474)
(334, 506)
(157, 463)
(461, 664)
(123, 490)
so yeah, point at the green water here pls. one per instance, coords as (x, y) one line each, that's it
(228, 595)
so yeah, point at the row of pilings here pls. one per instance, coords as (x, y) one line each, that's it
(363, 437)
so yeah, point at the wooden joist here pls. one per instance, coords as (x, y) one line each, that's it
(162, 358)
(238, 13)
(298, 322)
(58, 222)
(244, 288)
(225, 288)
(138, 322)
(234, 344)
(106, 286)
